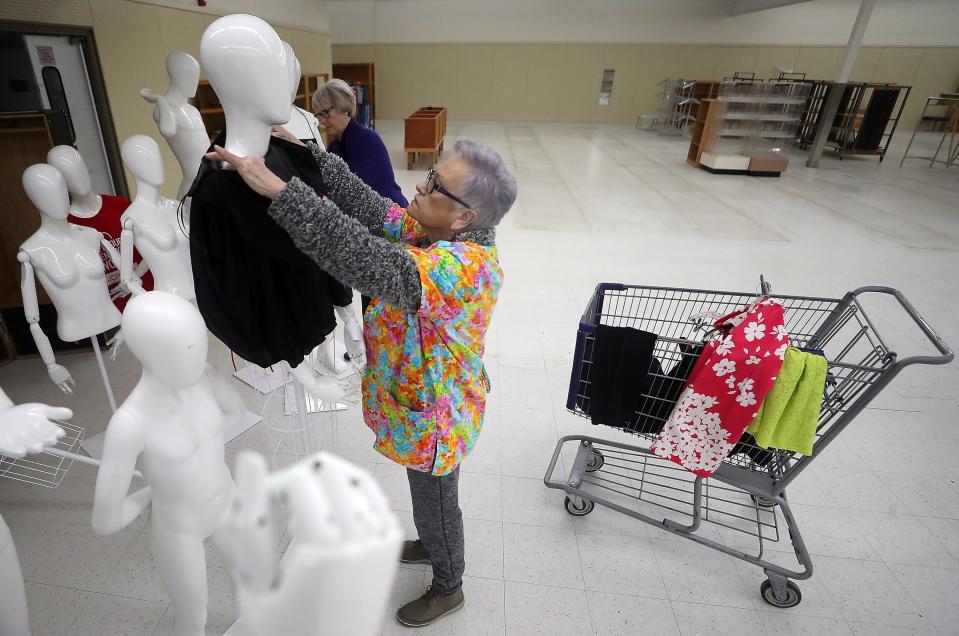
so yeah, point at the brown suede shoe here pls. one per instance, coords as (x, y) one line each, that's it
(429, 608)
(414, 552)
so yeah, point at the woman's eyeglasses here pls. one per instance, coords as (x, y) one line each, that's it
(433, 185)
(323, 114)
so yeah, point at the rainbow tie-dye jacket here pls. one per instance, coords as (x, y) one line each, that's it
(424, 388)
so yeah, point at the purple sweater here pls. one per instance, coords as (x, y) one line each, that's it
(366, 155)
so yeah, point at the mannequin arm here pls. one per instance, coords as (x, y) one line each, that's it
(345, 248)
(161, 241)
(350, 193)
(166, 118)
(226, 396)
(128, 277)
(27, 428)
(113, 508)
(31, 309)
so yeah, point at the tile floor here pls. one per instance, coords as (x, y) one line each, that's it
(879, 510)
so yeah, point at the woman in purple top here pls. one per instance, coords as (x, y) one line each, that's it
(361, 148)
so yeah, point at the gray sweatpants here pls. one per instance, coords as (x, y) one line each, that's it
(439, 522)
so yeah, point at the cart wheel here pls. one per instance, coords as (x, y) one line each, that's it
(881, 158)
(586, 508)
(763, 502)
(793, 595)
(595, 462)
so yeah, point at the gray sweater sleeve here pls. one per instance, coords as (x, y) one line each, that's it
(346, 249)
(350, 193)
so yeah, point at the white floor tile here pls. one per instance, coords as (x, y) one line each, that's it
(776, 623)
(481, 496)
(528, 501)
(933, 589)
(694, 618)
(106, 614)
(695, 574)
(550, 611)
(541, 556)
(484, 548)
(620, 564)
(621, 615)
(53, 610)
(867, 591)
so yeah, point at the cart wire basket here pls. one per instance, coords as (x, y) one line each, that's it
(742, 509)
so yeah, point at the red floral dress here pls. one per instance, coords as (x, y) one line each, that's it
(725, 389)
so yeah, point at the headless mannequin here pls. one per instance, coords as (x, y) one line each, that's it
(344, 539)
(23, 429)
(66, 259)
(171, 426)
(246, 64)
(302, 123)
(151, 224)
(179, 122)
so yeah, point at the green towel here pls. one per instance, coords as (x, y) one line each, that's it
(789, 415)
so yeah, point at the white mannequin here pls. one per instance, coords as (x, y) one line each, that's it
(301, 123)
(179, 122)
(66, 259)
(171, 427)
(336, 574)
(23, 429)
(151, 224)
(84, 203)
(246, 64)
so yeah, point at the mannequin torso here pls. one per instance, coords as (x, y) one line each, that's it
(66, 260)
(164, 246)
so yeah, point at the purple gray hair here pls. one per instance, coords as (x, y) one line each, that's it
(490, 189)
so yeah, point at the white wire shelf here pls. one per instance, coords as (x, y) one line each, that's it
(46, 468)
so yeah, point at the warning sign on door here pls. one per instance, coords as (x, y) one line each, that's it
(45, 54)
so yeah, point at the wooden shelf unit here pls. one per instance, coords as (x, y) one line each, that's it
(360, 73)
(707, 119)
(211, 110)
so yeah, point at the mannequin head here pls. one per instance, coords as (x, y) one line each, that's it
(184, 72)
(295, 71)
(47, 190)
(68, 161)
(141, 156)
(167, 335)
(246, 64)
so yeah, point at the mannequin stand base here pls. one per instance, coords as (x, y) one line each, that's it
(263, 380)
(313, 404)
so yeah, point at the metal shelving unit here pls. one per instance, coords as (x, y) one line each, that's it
(677, 111)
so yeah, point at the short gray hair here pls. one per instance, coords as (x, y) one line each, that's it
(337, 94)
(490, 189)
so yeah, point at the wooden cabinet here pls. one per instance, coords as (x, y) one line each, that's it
(424, 132)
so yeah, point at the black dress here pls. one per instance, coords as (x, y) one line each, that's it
(257, 292)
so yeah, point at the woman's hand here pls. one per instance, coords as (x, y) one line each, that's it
(253, 170)
(283, 133)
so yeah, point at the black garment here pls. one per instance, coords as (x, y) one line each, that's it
(664, 390)
(619, 374)
(257, 292)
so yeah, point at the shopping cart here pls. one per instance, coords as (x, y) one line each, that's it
(743, 504)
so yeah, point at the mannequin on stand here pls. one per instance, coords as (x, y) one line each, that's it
(101, 212)
(151, 224)
(338, 571)
(66, 260)
(302, 123)
(171, 427)
(242, 260)
(179, 122)
(25, 428)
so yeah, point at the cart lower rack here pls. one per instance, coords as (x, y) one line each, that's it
(742, 509)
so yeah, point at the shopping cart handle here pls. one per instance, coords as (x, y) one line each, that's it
(934, 337)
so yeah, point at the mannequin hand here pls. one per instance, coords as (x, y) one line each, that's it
(283, 133)
(27, 428)
(338, 571)
(148, 95)
(62, 378)
(119, 291)
(253, 170)
(114, 344)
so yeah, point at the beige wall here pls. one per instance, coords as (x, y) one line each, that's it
(133, 40)
(561, 81)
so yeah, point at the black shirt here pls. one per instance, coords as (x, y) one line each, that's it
(257, 292)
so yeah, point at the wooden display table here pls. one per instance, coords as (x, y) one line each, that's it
(424, 133)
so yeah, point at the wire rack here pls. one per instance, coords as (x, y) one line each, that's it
(48, 467)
